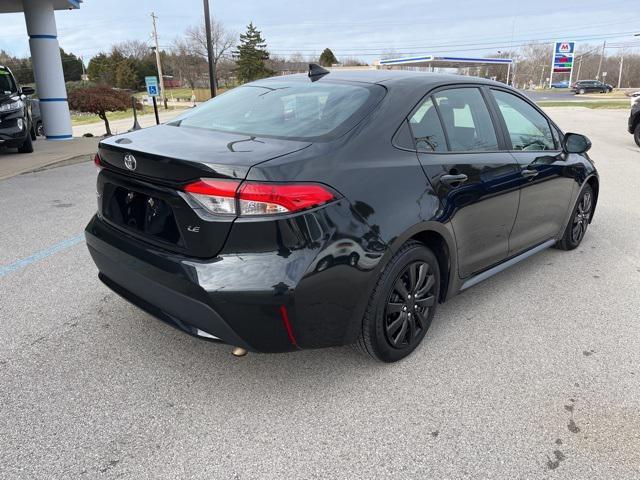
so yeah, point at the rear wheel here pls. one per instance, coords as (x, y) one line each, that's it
(581, 91)
(402, 305)
(636, 134)
(579, 221)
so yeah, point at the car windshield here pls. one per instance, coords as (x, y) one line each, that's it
(7, 85)
(292, 109)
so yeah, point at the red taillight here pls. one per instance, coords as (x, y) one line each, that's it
(253, 198)
(97, 162)
(217, 196)
(266, 198)
(207, 186)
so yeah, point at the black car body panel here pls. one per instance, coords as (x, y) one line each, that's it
(303, 280)
(634, 117)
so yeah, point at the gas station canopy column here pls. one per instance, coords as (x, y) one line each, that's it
(47, 64)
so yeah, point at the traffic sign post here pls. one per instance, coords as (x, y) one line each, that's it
(153, 91)
(562, 60)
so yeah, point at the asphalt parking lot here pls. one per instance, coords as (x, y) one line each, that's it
(532, 374)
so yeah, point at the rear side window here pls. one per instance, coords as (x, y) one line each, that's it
(288, 109)
(528, 128)
(427, 129)
(466, 120)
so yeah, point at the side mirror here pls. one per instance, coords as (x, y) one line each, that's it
(575, 143)
(28, 90)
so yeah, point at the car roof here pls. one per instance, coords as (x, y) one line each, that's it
(390, 77)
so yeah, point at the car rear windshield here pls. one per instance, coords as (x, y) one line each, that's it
(295, 109)
(7, 85)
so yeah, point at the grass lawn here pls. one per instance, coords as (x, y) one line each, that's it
(587, 104)
(184, 94)
(86, 119)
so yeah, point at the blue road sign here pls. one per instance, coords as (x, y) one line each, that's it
(152, 86)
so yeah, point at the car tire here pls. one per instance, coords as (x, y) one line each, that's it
(40, 129)
(27, 146)
(636, 134)
(576, 229)
(402, 304)
(581, 91)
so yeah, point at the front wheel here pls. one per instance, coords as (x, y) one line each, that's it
(402, 304)
(579, 221)
(27, 146)
(636, 134)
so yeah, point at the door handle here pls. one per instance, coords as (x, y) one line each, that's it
(451, 179)
(529, 173)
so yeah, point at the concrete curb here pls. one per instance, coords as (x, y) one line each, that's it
(53, 164)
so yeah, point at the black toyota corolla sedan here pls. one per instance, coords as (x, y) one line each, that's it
(336, 208)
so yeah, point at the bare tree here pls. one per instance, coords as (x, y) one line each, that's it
(135, 49)
(195, 40)
(189, 66)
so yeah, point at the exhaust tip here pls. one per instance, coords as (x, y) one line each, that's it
(238, 352)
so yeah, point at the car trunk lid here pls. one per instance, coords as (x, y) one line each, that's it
(140, 188)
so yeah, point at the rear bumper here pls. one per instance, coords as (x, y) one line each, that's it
(276, 286)
(174, 289)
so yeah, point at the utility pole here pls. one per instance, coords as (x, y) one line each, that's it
(542, 75)
(158, 62)
(604, 45)
(212, 66)
(620, 74)
(579, 67)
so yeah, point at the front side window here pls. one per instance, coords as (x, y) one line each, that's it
(427, 129)
(7, 84)
(287, 109)
(466, 120)
(528, 128)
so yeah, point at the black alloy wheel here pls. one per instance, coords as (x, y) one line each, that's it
(577, 227)
(582, 217)
(402, 304)
(408, 305)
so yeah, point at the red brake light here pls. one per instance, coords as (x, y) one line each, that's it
(207, 186)
(219, 196)
(97, 161)
(268, 198)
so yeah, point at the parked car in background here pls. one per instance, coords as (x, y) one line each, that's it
(634, 121)
(337, 208)
(16, 126)
(562, 84)
(36, 118)
(587, 86)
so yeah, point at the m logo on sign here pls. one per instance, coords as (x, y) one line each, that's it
(564, 48)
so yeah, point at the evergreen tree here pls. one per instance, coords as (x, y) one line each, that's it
(251, 55)
(327, 58)
(71, 66)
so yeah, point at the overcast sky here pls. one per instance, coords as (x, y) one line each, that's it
(359, 28)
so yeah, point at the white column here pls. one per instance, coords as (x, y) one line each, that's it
(47, 68)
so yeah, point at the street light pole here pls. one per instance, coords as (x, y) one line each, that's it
(212, 67)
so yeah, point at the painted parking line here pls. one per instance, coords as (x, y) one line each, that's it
(47, 252)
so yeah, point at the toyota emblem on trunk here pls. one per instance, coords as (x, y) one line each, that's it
(130, 162)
